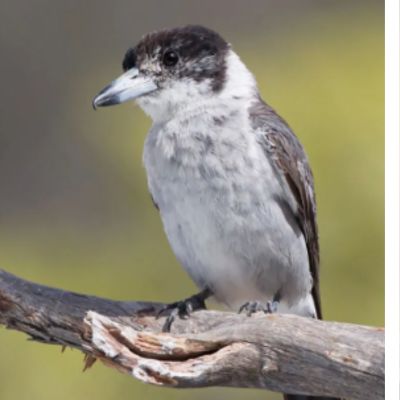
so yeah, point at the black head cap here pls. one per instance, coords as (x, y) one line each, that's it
(191, 51)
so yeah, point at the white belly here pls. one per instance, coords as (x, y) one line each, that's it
(226, 227)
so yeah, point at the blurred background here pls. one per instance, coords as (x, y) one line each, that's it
(74, 207)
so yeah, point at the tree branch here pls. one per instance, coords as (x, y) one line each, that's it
(283, 353)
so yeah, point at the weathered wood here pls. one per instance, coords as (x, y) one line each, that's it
(277, 352)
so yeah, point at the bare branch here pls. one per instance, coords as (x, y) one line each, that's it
(277, 352)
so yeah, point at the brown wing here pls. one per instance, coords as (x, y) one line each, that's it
(290, 160)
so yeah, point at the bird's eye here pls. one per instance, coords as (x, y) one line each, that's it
(170, 58)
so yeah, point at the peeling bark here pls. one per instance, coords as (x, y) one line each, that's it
(283, 353)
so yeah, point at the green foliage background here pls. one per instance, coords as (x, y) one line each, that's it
(74, 208)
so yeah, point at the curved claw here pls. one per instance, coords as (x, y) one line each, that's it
(170, 319)
(167, 308)
(252, 307)
(183, 308)
(272, 307)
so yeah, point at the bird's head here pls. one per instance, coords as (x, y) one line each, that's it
(171, 69)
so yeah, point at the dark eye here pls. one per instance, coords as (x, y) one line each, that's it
(170, 58)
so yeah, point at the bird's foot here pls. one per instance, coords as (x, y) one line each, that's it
(183, 308)
(272, 307)
(251, 307)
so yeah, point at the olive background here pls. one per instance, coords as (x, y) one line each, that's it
(75, 212)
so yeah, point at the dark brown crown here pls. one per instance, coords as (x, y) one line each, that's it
(201, 53)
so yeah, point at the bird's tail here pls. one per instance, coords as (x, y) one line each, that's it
(303, 397)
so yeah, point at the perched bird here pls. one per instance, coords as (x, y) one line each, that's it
(230, 179)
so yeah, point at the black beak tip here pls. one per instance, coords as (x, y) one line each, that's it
(103, 102)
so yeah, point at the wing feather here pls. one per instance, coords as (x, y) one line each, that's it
(290, 160)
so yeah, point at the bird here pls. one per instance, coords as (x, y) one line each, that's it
(232, 182)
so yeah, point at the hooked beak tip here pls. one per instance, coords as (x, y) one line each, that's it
(129, 86)
(101, 99)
